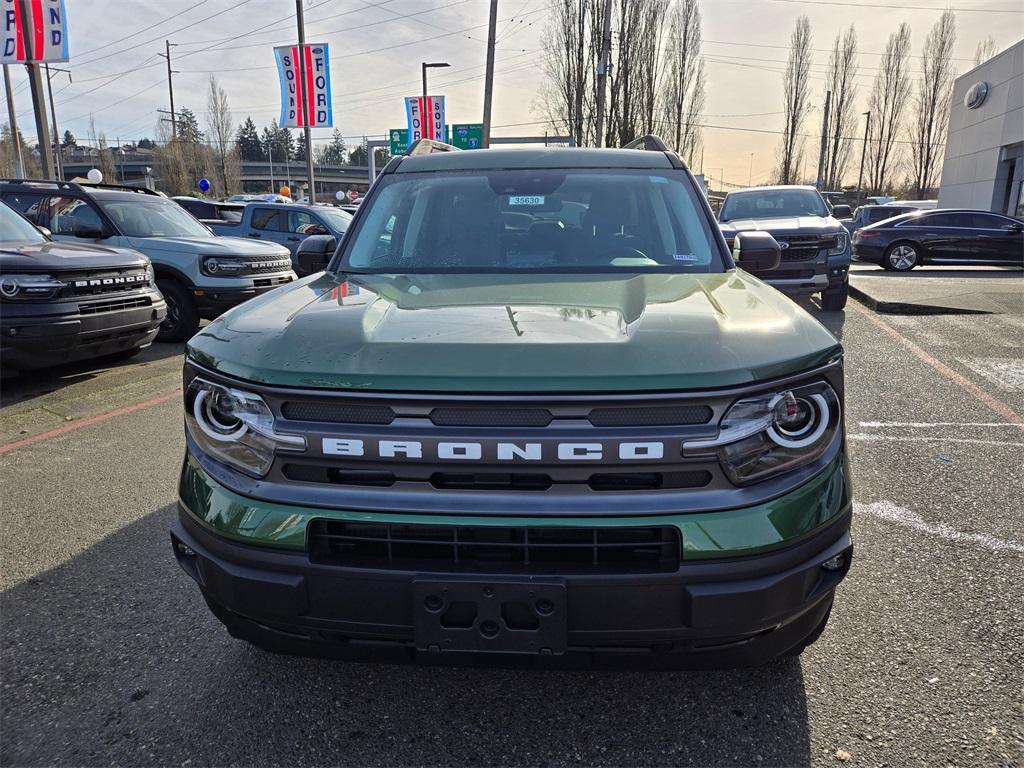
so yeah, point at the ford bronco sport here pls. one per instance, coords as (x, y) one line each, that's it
(200, 275)
(60, 303)
(532, 408)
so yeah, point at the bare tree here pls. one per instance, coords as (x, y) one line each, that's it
(570, 51)
(636, 69)
(890, 94)
(934, 96)
(986, 50)
(796, 89)
(683, 92)
(104, 157)
(842, 72)
(221, 133)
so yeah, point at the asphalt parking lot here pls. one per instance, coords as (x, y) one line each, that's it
(109, 655)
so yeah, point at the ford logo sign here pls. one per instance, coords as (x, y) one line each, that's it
(783, 245)
(976, 95)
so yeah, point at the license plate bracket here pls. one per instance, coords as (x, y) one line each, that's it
(489, 616)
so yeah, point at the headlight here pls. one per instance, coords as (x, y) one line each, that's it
(29, 286)
(763, 436)
(150, 274)
(235, 427)
(842, 240)
(223, 266)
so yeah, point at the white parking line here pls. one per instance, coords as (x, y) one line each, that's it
(893, 513)
(936, 424)
(875, 438)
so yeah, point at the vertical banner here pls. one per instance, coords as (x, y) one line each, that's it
(48, 25)
(305, 75)
(425, 117)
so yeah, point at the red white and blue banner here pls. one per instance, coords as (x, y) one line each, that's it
(47, 24)
(425, 116)
(305, 74)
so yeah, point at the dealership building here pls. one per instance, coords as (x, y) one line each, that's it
(984, 163)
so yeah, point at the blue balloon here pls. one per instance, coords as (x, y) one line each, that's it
(204, 185)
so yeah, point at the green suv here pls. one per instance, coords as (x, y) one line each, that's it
(532, 409)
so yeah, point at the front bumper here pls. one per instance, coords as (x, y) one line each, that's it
(42, 335)
(724, 610)
(214, 302)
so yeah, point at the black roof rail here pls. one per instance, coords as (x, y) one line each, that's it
(74, 185)
(429, 147)
(650, 142)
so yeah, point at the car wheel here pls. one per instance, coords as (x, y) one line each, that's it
(902, 257)
(182, 319)
(834, 299)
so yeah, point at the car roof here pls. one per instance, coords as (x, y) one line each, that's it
(773, 188)
(548, 157)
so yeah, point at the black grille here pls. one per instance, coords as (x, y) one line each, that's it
(490, 417)
(337, 412)
(114, 305)
(799, 254)
(495, 480)
(651, 416)
(265, 282)
(473, 549)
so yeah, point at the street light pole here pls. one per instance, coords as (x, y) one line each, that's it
(429, 65)
(750, 173)
(492, 25)
(309, 97)
(863, 152)
(35, 83)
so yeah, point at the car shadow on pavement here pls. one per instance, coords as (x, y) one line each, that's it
(31, 384)
(112, 657)
(834, 321)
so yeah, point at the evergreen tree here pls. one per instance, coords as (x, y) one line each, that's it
(358, 155)
(69, 140)
(146, 144)
(280, 142)
(188, 127)
(333, 153)
(248, 140)
(300, 147)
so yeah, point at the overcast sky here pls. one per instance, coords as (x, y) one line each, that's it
(377, 47)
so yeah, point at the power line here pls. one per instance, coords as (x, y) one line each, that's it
(899, 7)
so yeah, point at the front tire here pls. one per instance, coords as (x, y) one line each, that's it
(901, 257)
(182, 319)
(834, 299)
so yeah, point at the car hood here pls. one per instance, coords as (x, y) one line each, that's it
(794, 225)
(61, 256)
(209, 246)
(506, 333)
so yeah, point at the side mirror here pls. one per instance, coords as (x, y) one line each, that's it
(89, 231)
(756, 251)
(842, 212)
(1015, 227)
(313, 254)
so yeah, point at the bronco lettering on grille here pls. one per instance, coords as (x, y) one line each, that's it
(496, 451)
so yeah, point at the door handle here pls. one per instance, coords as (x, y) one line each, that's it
(253, 234)
(294, 239)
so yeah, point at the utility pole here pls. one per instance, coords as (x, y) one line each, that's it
(750, 171)
(309, 107)
(603, 65)
(53, 119)
(170, 88)
(863, 153)
(489, 76)
(270, 156)
(824, 142)
(35, 82)
(12, 118)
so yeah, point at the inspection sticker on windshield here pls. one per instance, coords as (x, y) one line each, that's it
(687, 257)
(526, 200)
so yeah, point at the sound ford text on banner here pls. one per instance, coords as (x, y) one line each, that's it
(426, 118)
(305, 74)
(47, 23)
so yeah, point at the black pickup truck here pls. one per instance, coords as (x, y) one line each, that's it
(62, 302)
(815, 245)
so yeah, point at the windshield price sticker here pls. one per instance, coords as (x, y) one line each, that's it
(526, 200)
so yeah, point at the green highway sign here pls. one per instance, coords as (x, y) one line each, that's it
(398, 139)
(468, 135)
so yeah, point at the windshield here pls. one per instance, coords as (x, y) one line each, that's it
(550, 221)
(15, 229)
(153, 217)
(772, 204)
(336, 218)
